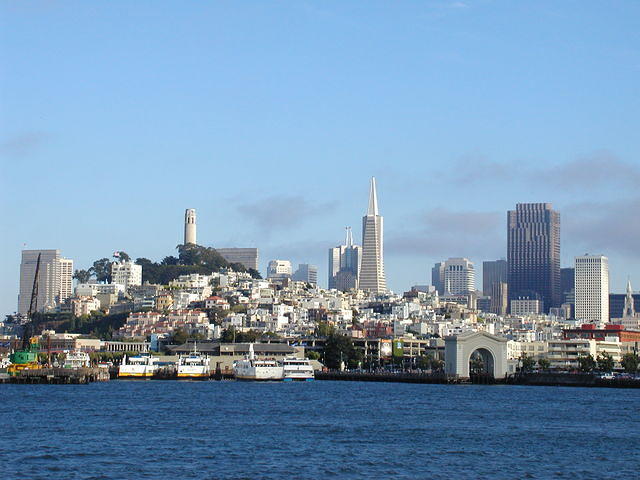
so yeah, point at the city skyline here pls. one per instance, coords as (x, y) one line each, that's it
(474, 120)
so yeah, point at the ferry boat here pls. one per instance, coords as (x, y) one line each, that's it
(297, 369)
(76, 360)
(194, 365)
(141, 366)
(251, 368)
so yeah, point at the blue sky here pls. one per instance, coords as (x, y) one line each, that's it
(270, 117)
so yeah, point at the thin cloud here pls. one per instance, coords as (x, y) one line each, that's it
(23, 145)
(282, 211)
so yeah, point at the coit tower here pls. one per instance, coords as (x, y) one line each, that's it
(190, 226)
(372, 276)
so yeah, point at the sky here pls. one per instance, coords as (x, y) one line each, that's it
(269, 118)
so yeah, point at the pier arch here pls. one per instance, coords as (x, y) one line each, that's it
(479, 351)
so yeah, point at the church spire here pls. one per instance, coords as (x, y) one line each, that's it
(349, 241)
(629, 307)
(373, 198)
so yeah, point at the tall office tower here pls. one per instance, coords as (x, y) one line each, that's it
(459, 276)
(54, 279)
(279, 269)
(592, 288)
(306, 273)
(437, 277)
(372, 265)
(344, 264)
(66, 279)
(499, 298)
(190, 226)
(567, 285)
(533, 253)
(245, 256)
(126, 273)
(493, 272)
(629, 303)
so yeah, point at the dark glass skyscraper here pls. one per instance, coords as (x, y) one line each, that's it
(533, 253)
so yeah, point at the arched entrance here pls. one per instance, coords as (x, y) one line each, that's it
(481, 362)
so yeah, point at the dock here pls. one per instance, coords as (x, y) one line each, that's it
(58, 376)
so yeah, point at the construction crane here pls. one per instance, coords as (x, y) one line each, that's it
(33, 307)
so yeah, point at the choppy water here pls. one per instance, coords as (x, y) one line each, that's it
(233, 430)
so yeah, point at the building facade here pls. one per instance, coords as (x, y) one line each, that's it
(54, 279)
(372, 276)
(248, 257)
(279, 269)
(126, 274)
(306, 273)
(459, 276)
(533, 253)
(592, 288)
(437, 277)
(344, 264)
(493, 272)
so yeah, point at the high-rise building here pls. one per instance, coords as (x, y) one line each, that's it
(127, 274)
(245, 256)
(499, 298)
(437, 277)
(54, 279)
(372, 277)
(190, 226)
(493, 272)
(279, 269)
(459, 276)
(344, 264)
(533, 253)
(306, 273)
(567, 285)
(592, 288)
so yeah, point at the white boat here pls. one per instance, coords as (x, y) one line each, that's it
(297, 369)
(76, 360)
(194, 365)
(251, 368)
(141, 366)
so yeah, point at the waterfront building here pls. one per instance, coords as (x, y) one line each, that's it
(533, 253)
(190, 226)
(54, 279)
(126, 274)
(459, 276)
(493, 272)
(592, 288)
(248, 257)
(279, 269)
(344, 264)
(437, 277)
(306, 273)
(372, 276)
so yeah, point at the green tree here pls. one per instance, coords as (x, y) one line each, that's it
(424, 362)
(630, 362)
(544, 363)
(102, 270)
(83, 276)
(339, 348)
(586, 363)
(123, 256)
(324, 329)
(437, 365)
(605, 362)
(179, 336)
(170, 260)
(312, 355)
(527, 362)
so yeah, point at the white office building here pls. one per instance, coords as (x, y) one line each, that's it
(54, 279)
(126, 274)
(592, 288)
(279, 269)
(459, 276)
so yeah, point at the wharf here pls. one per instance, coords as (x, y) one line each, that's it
(59, 376)
(401, 377)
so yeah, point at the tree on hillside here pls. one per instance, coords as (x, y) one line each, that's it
(544, 363)
(102, 270)
(630, 362)
(83, 276)
(170, 260)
